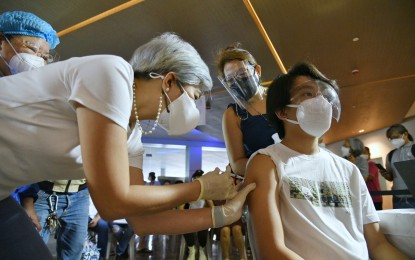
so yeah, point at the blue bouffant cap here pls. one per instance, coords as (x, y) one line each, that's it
(24, 23)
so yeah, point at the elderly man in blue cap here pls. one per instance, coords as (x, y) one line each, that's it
(25, 42)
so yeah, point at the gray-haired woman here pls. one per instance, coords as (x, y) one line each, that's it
(95, 103)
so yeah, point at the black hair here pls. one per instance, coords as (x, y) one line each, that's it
(279, 92)
(152, 175)
(399, 129)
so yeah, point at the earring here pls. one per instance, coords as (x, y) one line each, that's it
(167, 89)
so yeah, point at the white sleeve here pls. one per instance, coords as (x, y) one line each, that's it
(102, 83)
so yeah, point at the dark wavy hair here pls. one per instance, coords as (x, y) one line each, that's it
(279, 92)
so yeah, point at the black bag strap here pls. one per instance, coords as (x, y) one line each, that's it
(389, 156)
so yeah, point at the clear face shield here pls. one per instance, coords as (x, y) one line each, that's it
(243, 84)
(313, 88)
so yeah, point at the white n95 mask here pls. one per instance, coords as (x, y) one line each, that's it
(345, 151)
(397, 142)
(183, 116)
(21, 62)
(313, 115)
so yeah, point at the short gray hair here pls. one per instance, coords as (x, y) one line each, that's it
(357, 146)
(169, 53)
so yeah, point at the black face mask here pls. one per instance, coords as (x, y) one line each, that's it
(245, 88)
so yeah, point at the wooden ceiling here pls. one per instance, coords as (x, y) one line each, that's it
(318, 31)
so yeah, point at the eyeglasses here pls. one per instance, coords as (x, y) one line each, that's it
(35, 48)
(311, 89)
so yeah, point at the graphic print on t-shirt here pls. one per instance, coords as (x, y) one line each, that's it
(321, 194)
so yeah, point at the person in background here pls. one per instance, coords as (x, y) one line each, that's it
(152, 179)
(142, 245)
(201, 235)
(404, 150)
(354, 147)
(288, 216)
(26, 42)
(236, 229)
(100, 227)
(245, 125)
(62, 208)
(96, 102)
(26, 196)
(123, 233)
(372, 181)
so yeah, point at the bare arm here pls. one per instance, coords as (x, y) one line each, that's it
(94, 221)
(264, 212)
(156, 223)
(104, 153)
(387, 174)
(172, 221)
(378, 246)
(29, 205)
(105, 159)
(234, 141)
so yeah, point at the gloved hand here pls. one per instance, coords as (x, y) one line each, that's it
(216, 186)
(232, 210)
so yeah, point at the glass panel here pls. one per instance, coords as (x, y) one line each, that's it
(164, 160)
(214, 157)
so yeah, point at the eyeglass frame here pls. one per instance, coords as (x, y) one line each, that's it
(50, 57)
(248, 70)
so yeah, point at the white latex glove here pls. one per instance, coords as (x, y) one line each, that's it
(217, 186)
(232, 210)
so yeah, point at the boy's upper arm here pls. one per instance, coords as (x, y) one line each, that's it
(263, 206)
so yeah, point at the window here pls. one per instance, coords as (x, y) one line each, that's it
(164, 160)
(214, 157)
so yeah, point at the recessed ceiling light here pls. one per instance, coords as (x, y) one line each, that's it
(361, 130)
(355, 72)
(355, 39)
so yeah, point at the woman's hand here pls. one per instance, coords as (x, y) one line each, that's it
(217, 186)
(232, 210)
(93, 223)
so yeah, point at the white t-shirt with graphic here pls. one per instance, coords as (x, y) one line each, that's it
(39, 131)
(324, 204)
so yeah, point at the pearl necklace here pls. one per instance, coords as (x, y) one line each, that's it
(136, 113)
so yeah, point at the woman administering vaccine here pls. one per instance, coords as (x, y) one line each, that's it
(80, 118)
